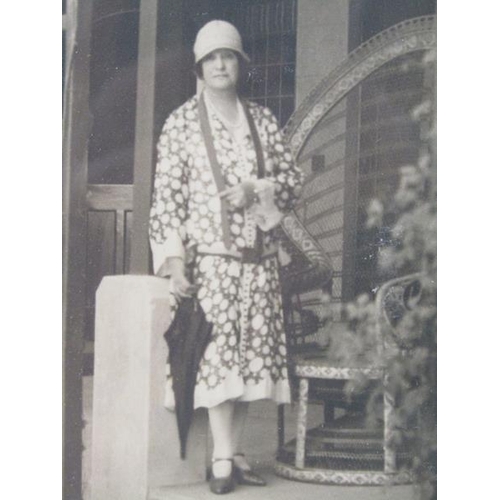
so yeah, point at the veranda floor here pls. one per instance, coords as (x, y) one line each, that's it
(260, 445)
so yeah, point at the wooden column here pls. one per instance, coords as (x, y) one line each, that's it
(353, 108)
(75, 133)
(144, 147)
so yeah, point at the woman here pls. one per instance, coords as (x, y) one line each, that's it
(224, 179)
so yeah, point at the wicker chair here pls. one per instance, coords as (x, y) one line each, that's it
(344, 451)
(325, 145)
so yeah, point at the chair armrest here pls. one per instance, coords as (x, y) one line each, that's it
(310, 268)
(394, 290)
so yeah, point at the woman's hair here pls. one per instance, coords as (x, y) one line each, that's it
(242, 69)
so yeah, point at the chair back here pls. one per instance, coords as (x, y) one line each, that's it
(350, 136)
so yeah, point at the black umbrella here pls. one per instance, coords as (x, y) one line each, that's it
(187, 337)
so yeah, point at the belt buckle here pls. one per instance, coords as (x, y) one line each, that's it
(250, 255)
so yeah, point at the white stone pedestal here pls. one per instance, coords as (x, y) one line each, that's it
(135, 445)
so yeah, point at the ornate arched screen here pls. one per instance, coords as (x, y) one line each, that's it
(350, 136)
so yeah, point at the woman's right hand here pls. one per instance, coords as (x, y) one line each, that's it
(180, 286)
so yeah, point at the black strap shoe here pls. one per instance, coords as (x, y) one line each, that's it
(222, 485)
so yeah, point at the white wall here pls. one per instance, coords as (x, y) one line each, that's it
(322, 44)
(322, 37)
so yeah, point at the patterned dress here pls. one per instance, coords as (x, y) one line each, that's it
(246, 358)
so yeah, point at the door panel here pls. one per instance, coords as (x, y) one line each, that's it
(101, 249)
(109, 220)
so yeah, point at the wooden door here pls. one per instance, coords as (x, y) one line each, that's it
(122, 135)
(108, 187)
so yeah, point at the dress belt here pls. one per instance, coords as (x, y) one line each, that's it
(246, 255)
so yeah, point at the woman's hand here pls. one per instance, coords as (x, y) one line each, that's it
(239, 196)
(180, 286)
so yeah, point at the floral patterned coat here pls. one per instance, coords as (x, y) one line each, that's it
(246, 359)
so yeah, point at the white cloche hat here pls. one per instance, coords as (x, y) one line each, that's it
(217, 35)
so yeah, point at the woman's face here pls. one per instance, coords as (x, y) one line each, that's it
(220, 69)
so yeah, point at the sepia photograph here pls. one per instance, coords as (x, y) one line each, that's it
(249, 249)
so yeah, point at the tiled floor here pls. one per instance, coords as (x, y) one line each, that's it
(260, 444)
